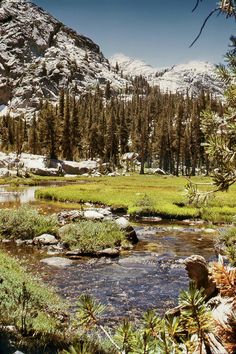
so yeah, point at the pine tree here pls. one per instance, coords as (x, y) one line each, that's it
(66, 131)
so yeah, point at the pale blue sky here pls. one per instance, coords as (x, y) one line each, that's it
(156, 31)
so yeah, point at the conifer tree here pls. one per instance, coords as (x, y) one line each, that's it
(66, 131)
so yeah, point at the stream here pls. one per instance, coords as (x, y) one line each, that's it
(149, 276)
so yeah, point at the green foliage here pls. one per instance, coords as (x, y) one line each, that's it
(219, 130)
(195, 316)
(228, 238)
(89, 311)
(145, 204)
(25, 223)
(35, 310)
(91, 236)
(183, 334)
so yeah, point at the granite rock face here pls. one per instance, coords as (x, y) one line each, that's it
(39, 56)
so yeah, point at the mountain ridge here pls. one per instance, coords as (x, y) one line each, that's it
(39, 56)
(190, 76)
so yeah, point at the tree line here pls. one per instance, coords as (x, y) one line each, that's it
(162, 128)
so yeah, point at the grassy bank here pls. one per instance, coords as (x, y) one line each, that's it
(140, 195)
(36, 313)
(35, 180)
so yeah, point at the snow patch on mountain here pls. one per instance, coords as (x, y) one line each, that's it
(192, 76)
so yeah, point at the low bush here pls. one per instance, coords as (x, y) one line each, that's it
(25, 223)
(91, 236)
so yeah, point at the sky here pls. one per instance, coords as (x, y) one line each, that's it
(156, 31)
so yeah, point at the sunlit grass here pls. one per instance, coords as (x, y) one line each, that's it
(166, 195)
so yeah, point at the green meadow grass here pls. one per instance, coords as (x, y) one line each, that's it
(140, 195)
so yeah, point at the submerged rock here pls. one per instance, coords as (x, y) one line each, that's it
(59, 262)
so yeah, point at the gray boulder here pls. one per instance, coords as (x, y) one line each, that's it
(159, 171)
(93, 215)
(79, 168)
(53, 172)
(45, 239)
(4, 172)
(128, 229)
(122, 222)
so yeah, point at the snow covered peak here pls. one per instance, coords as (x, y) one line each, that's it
(192, 76)
(131, 66)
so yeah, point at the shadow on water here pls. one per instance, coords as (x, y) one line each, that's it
(149, 276)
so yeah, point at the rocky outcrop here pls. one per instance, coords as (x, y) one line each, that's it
(79, 168)
(39, 56)
(25, 164)
(198, 271)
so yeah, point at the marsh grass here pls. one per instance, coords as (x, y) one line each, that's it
(91, 236)
(163, 196)
(25, 223)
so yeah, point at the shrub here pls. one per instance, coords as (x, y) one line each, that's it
(25, 223)
(91, 236)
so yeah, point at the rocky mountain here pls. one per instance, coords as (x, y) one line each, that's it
(192, 76)
(39, 55)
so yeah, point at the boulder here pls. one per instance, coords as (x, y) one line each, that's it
(197, 269)
(159, 171)
(113, 174)
(93, 215)
(122, 222)
(45, 239)
(59, 262)
(4, 172)
(79, 168)
(53, 172)
(69, 215)
(128, 229)
(108, 252)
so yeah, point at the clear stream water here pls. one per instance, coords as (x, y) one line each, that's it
(149, 276)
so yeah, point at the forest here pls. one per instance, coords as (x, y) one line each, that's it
(164, 129)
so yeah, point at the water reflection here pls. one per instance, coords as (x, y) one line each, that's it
(16, 196)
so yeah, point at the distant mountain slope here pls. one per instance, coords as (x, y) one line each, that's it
(192, 76)
(39, 55)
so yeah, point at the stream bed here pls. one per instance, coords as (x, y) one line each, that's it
(149, 276)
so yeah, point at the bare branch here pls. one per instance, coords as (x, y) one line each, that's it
(203, 25)
(196, 5)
